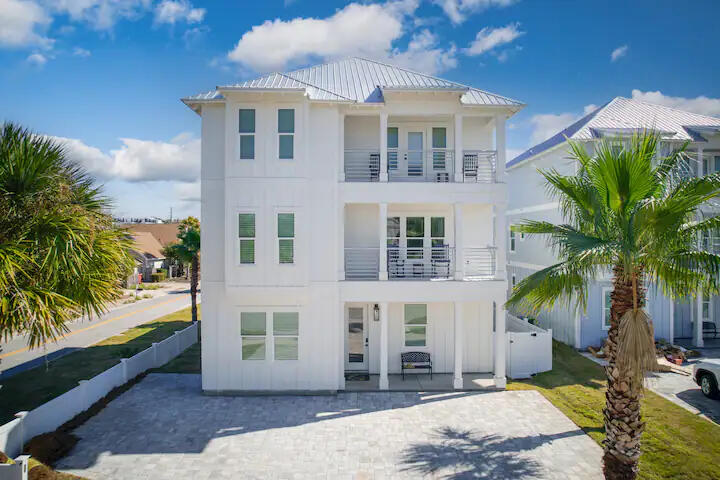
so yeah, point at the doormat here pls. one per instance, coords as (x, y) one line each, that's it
(357, 377)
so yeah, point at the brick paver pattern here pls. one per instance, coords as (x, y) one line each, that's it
(165, 428)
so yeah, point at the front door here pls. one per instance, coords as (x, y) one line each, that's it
(415, 154)
(356, 338)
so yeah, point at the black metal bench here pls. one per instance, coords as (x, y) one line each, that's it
(709, 328)
(413, 360)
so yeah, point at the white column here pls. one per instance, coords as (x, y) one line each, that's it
(458, 147)
(383, 147)
(383, 383)
(459, 337)
(500, 342)
(341, 172)
(697, 327)
(672, 321)
(701, 166)
(501, 241)
(341, 346)
(383, 241)
(500, 147)
(459, 257)
(341, 241)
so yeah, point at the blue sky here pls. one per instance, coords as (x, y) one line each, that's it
(105, 76)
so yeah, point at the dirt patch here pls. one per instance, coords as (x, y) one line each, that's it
(50, 447)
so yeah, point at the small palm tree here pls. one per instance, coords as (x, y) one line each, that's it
(631, 212)
(188, 251)
(60, 254)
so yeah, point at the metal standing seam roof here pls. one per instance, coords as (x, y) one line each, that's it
(358, 80)
(625, 114)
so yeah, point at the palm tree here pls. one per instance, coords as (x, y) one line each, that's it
(60, 254)
(188, 251)
(632, 212)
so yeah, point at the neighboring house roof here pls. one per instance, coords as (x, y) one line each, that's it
(356, 80)
(146, 246)
(165, 233)
(624, 115)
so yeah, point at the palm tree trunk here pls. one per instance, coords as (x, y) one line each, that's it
(194, 274)
(623, 423)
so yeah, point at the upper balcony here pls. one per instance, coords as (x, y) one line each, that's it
(442, 148)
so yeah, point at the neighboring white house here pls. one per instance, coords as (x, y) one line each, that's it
(529, 200)
(351, 211)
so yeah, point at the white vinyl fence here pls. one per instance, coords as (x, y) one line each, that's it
(529, 348)
(49, 416)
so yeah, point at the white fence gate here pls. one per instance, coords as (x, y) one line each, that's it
(49, 416)
(529, 348)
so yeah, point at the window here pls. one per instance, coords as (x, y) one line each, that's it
(247, 134)
(286, 237)
(286, 133)
(439, 142)
(253, 331)
(416, 325)
(705, 307)
(437, 231)
(415, 233)
(606, 304)
(514, 280)
(285, 335)
(711, 164)
(512, 240)
(392, 145)
(393, 232)
(246, 232)
(522, 236)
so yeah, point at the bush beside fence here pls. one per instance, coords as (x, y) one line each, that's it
(49, 416)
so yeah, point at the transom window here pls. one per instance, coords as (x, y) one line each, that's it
(253, 331)
(415, 323)
(247, 133)
(286, 133)
(286, 237)
(285, 335)
(246, 233)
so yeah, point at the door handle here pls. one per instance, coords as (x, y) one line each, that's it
(366, 342)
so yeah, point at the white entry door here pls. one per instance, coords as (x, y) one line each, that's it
(415, 154)
(356, 338)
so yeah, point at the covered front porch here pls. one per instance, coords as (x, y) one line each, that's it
(420, 382)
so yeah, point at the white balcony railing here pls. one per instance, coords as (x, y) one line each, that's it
(433, 166)
(428, 263)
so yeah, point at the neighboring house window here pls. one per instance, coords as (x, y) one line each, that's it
(247, 133)
(253, 332)
(286, 237)
(415, 232)
(522, 236)
(711, 164)
(514, 280)
(246, 232)
(286, 133)
(392, 145)
(415, 323)
(606, 304)
(512, 240)
(285, 335)
(705, 307)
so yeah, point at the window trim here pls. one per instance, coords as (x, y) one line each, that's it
(426, 325)
(239, 238)
(279, 212)
(285, 134)
(605, 290)
(252, 134)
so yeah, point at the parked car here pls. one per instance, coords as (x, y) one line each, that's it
(706, 374)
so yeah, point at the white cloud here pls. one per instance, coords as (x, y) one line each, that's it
(37, 59)
(100, 14)
(188, 192)
(81, 52)
(702, 104)
(357, 29)
(618, 53)
(489, 39)
(21, 22)
(589, 109)
(140, 160)
(174, 11)
(458, 10)
(548, 124)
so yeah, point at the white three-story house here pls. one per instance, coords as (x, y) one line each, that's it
(351, 211)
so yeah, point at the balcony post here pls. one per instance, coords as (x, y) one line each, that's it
(697, 331)
(341, 241)
(501, 241)
(382, 236)
(458, 337)
(458, 147)
(341, 172)
(459, 257)
(701, 165)
(500, 148)
(383, 382)
(500, 343)
(383, 147)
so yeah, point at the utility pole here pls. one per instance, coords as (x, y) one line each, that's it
(170, 214)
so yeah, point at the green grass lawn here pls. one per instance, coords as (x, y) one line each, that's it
(676, 444)
(34, 387)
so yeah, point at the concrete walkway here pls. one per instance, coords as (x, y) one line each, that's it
(164, 428)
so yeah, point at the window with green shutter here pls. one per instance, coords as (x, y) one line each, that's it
(286, 237)
(253, 331)
(286, 133)
(247, 133)
(246, 233)
(285, 335)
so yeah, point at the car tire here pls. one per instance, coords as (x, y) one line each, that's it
(709, 385)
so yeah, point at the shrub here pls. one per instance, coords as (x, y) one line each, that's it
(158, 276)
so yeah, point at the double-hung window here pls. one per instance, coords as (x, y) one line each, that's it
(246, 233)
(415, 323)
(247, 133)
(286, 133)
(253, 330)
(285, 335)
(286, 237)
(415, 233)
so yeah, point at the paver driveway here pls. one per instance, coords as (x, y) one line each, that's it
(164, 428)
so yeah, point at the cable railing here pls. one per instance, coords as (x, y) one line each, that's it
(362, 263)
(479, 166)
(426, 263)
(436, 165)
(362, 165)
